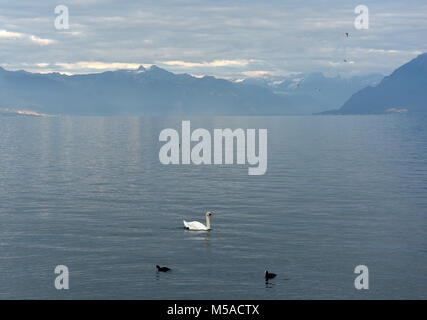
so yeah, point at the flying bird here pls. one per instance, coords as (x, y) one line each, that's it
(269, 275)
(162, 269)
(346, 34)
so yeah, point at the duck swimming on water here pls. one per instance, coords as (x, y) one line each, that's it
(162, 269)
(269, 275)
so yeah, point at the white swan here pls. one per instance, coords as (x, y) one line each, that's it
(197, 226)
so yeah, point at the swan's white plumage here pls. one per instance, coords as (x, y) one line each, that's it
(197, 226)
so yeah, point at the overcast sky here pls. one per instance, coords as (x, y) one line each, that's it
(230, 39)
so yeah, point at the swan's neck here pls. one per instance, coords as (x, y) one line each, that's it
(208, 222)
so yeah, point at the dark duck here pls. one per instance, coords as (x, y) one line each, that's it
(162, 269)
(269, 275)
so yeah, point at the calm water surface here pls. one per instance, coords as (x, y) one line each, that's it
(90, 193)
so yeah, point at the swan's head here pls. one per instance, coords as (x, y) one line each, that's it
(208, 214)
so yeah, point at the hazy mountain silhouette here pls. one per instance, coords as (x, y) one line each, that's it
(405, 90)
(152, 91)
(314, 92)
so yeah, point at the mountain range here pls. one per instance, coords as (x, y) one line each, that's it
(155, 91)
(405, 90)
(313, 92)
(152, 91)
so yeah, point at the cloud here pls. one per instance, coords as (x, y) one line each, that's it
(257, 73)
(215, 63)
(40, 41)
(97, 65)
(4, 34)
(220, 38)
(385, 51)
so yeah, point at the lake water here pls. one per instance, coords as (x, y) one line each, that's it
(91, 194)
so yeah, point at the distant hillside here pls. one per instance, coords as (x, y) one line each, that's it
(313, 92)
(155, 91)
(405, 90)
(152, 91)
